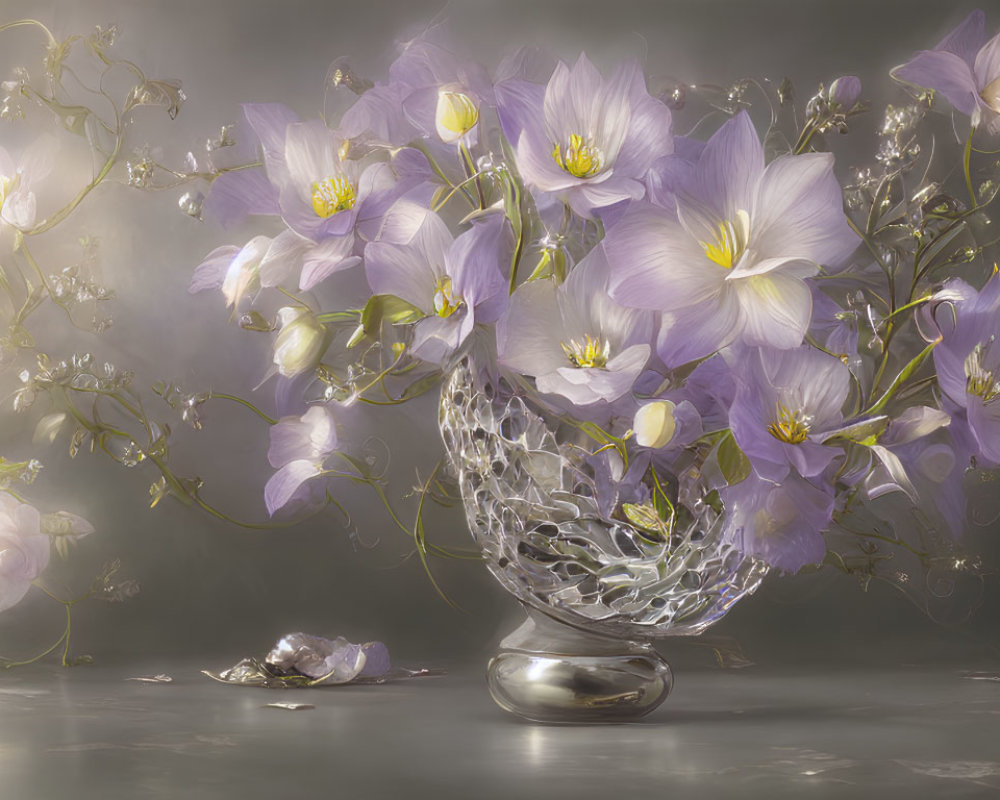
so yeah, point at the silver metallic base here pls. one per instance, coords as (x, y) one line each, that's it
(548, 672)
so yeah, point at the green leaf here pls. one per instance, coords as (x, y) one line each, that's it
(384, 308)
(646, 518)
(732, 460)
(865, 432)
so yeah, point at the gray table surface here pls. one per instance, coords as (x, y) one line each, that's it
(921, 732)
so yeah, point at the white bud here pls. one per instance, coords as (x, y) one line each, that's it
(300, 343)
(654, 424)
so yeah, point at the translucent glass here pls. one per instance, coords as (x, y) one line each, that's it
(530, 500)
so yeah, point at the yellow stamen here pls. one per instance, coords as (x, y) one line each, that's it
(731, 241)
(445, 303)
(980, 382)
(580, 158)
(331, 195)
(791, 427)
(591, 353)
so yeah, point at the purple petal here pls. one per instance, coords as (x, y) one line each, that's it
(587, 309)
(211, 272)
(730, 167)
(657, 264)
(525, 337)
(519, 104)
(781, 525)
(966, 39)
(270, 122)
(436, 338)
(328, 257)
(650, 133)
(282, 486)
(799, 212)
(945, 73)
(984, 419)
(699, 330)
(666, 176)
(379, 113)
(845, 92)
(473, 262)
(236, 194)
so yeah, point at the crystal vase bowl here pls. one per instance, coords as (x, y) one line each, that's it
(596, 589)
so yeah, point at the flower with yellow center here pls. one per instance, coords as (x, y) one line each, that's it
(580, 158)
(332, 195)
(445, 302)
(457, 114)
(730, 242)
(591, 353)
(979, 381)
(791, 427)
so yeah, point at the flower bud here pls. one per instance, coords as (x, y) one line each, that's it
(654, 424)
(457, 114)
(845, 93)
(300, 343)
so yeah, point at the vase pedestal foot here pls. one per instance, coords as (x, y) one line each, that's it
(549, 672)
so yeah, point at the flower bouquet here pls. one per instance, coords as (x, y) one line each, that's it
(678, 343)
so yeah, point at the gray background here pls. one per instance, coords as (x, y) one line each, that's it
(228, 592)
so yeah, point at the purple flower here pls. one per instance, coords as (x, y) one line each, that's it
(963, 67)
(967, 358)
(455, 283)
(588, 140)
(786, 401)
(426, 83)
(730, 264)
(320, 192)
(781, 524)
(298, 448)
(572, 338)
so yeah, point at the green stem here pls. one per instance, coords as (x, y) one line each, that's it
(804, 138)
(473, 174)
(966, 157)
(222, 396)
(900, 379)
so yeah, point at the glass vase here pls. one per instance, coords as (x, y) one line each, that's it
(597, 588)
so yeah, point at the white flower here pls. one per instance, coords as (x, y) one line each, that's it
(24, 550)
(17, 200)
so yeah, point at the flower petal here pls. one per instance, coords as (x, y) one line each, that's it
(945, 73)
(776, 307)
(282, 486)
(799, 212)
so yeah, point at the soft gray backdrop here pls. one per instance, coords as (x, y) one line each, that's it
(208, 585)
